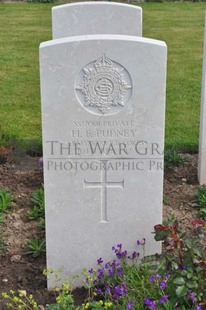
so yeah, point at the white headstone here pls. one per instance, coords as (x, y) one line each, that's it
(202, 136)
(96, 18)
(103, 107)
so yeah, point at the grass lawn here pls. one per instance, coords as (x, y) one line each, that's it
(24, 26)
(181, 26)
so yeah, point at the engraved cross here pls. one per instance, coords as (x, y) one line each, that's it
(104, 184)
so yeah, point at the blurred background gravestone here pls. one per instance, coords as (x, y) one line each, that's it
(202, 135)
(96, 18)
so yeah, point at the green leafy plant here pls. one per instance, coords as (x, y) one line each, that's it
(38, 197)
(1, 218)
(64, 300)
(36, 247)
(165, 200)
(35, 213)
(5, 204)
(184, 258)
(21, 300)
(200, 199)
(41, 224)
(5, 200)
(39, 206)
(172, 159)
(202, 214)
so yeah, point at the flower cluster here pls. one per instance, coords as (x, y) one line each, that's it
(152, 304)
(161, 282)
(118, 251)
(108, 279)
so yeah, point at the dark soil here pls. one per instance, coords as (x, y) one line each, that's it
(22, 178)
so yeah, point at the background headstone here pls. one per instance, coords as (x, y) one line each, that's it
(96, 18)
(103, 107)
(202, 135)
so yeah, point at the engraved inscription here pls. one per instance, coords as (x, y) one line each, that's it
(104, 184)
(104, 86)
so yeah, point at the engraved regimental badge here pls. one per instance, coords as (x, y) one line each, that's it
(103, 87)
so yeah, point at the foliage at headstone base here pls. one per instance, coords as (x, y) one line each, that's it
(5, 204)
(172, 158)
(38, 210)
(5, 200)
(36, 247)
(200, 200)
(174, 280)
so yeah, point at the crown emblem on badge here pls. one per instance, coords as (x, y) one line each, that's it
(104, 86)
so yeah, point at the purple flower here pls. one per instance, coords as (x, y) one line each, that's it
(130, 304)
(150, 303)
(141, 242)
(152, 278)
(163, 284)
(99, 291)
(135, 254)
(192, 296)
(90, 271)
(120, 290)
(114, 263)
(41, 162)
(147, 300)
(100, 274)
(163, 299)
(108, 289)
(111, 272)
(117, 265)
(99, 261)
(198, 308)
(120, 273)
(118, 251)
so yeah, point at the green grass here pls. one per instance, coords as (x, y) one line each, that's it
(24, 26)
(181, 26)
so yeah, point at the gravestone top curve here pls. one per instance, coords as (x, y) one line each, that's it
(99, 17)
